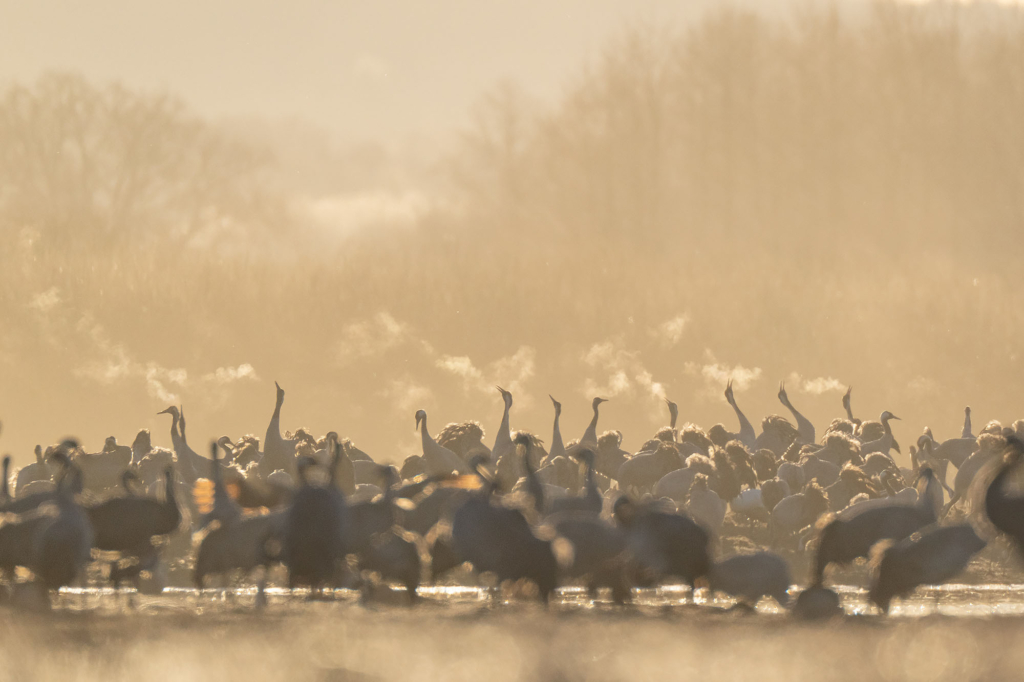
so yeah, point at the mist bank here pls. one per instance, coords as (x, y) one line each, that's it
(823, 198)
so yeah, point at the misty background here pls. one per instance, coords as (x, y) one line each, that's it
(394, 206)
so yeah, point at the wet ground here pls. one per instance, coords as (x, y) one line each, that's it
(957, 632)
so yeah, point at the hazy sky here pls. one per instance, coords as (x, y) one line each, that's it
(388, 68)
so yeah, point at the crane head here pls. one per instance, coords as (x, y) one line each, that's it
(887, 415)
(558, 405)
(673, 409)
(783, 398)
(624, 510)
(505, 396)
(172, 410)
(421, 416)
(729, 397)
(585, 455)
(846, 397)
(598, 401)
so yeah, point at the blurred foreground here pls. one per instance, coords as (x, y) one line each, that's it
(457, 636)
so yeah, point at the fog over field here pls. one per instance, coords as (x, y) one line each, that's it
(394, 206)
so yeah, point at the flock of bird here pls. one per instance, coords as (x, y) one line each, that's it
(727, 511)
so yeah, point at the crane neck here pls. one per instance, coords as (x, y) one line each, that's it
(504, 435)
(592, 428)
(169, 489)
(425, 435)
(745, 426)
(590, 481)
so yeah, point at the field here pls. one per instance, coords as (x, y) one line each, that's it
(956, 633)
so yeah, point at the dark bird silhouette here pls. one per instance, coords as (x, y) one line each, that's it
(62, 547)
(599, 556)
(748, 577)
(130, 524)
(937, 556)
(499, 540)
(663, 544)
(314, 529)
(1005, 510)
(844, 539)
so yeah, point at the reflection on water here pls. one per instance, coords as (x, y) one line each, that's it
(457, 633)
(946, 600)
